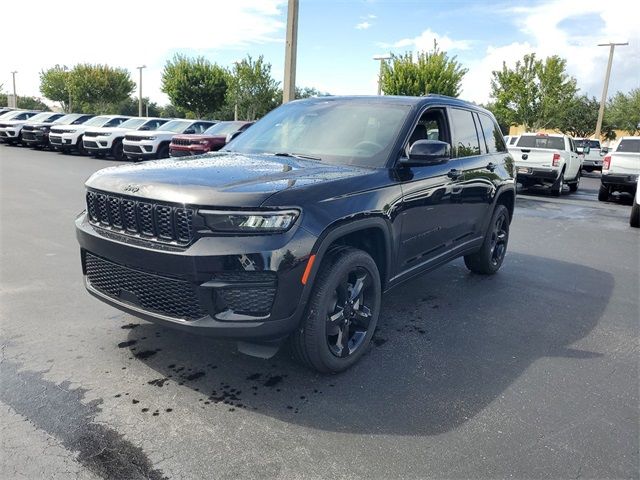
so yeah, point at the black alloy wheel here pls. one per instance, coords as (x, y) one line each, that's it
(488, 259)
(348, 316)
(499, 236)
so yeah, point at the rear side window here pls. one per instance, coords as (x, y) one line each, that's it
(629, 145)
(541, 141)
(492, 135)
(466, 142)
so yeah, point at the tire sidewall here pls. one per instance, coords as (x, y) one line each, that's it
(500, 210)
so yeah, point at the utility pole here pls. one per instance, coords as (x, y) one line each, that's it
(603, 100)
(289, 88)
(381, 59)
(140, 91)
(15, 98)
(64, 67)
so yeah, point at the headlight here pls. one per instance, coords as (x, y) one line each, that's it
(147, 138)
(250, 222)
(43, 129)
(105, 134)
(203, 142)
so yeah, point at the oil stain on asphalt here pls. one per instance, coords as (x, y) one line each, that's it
(59, 411)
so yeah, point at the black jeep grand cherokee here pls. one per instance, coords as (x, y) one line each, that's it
(297, 226)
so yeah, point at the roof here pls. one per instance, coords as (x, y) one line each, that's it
(396, 100)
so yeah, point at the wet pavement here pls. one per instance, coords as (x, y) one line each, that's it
(530, 373)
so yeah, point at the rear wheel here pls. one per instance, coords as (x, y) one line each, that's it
(558, 185)
(342, 312)
(573, 186)
(489, 258)
(603, 193)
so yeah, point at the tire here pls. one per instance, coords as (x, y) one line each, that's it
(634, 219)
(80, 146)
(603, 193)
(558, 185)
(573, 186)
(319, 342)
(163, 151)
(117, 151)
(489, 258)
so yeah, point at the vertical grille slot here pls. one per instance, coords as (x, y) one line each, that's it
(157, 222)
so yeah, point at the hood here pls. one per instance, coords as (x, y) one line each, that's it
(218, 179)
(151, 133)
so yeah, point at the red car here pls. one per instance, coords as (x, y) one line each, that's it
(212, 139)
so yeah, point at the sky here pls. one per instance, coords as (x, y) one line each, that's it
(337, 39)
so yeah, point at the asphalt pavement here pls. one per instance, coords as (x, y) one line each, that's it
(531, 373)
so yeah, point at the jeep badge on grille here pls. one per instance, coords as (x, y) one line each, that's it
(131, 188)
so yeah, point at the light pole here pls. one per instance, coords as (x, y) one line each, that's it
(15, 98)
(603, 100)
(235, 106)
(68, 88)
(381, 59)
(140, 91)
(290, 53)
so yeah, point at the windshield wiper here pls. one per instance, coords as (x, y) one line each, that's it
(297, 155)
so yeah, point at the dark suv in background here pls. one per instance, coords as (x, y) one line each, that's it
(295, 228)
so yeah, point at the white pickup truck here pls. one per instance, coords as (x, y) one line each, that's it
(547, 159)
(620, 169)
(593, 153)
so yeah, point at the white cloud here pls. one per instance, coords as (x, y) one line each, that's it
(425, 42)
(127, 34)
(543, 25)
(363, 26)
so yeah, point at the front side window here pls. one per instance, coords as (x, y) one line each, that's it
(466, 142)
(114, 122)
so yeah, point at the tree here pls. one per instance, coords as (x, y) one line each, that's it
(54, 85)
(579, 117)
(431, 72)
(307, 92)
(32, 103)
(253, 89)
(623, 111)
(534, 93)
(195, 85)
(99, 88)
(130, 107)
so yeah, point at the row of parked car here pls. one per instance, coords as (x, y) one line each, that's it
(558, 160)
(118, 136)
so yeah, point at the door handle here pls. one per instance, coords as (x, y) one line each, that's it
(491, 167)
(454, 173)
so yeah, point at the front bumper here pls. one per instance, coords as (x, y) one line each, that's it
(204, 287)
(139, 150)
(620, 182)
(35, 138)
(532, 175)
(186, 151)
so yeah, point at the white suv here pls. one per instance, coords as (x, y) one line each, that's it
(11, 124)
(141, 146)
(105, 141)
(69, 137)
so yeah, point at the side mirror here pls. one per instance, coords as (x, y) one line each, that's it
(424, 152)
(604, 151)
(233, 135)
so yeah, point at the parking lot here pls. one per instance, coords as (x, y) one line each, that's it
(531, 373)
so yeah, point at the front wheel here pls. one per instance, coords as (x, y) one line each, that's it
(634, 219)
(342, 312)
(573, 186)
(117, 151)
(163, 151)
(489, 258)
(80, 146)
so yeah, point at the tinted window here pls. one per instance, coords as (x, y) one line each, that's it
(583, 142)
(513, 140)
(114, 122)
(629, 145)
(541, 141)
(492, 134)
(466, 137)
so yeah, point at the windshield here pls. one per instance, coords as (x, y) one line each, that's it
(132, 123)
(96, 121)
(588, 143)
(358, 132)
(41, 117)
(629, 145)
(541, 141)
(223, 128)
(176, 126)
(68, 119)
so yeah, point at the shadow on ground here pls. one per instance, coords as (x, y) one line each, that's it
(448, 345)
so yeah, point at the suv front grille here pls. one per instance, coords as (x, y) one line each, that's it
(181, 141)
(152, 221)
(167, 296)
(135, 138)
(90, 134)
(132, 148)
